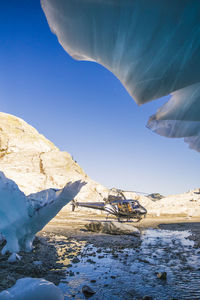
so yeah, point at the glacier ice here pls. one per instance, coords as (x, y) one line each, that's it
(152, 47)
(22, 217)
(14, 257)
(32, 289)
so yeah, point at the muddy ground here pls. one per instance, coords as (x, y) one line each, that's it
(57, 246)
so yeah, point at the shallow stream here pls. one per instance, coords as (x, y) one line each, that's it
(131, 273)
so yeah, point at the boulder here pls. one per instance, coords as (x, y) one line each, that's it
(87, 291)
(115, 228)
(155, 196)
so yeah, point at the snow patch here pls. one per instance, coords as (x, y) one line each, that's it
(32, 289)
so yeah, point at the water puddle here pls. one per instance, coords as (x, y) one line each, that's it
(131, 273)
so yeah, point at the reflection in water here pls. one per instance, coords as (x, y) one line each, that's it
(131, 273)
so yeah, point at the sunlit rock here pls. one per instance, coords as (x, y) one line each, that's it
(36, 165)
(113, 227)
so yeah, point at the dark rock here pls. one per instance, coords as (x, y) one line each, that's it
(71, 273)
(91, 261)
(155, 196)
(75, 260)
(147, 298)
(162, 275)
(87, 291)
(93, 281)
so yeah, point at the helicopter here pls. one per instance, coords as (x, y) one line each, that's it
(120, 207)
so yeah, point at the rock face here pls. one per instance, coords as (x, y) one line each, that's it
(32, 161)
(36, 164)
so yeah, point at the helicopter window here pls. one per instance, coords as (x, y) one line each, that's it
(125, 207)
(130, 207)
(122, 206)
(135, 205)
(119, 206)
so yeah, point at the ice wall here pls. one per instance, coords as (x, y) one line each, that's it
(21, 218)
(152, 46)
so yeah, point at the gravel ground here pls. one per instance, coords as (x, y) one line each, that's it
(61, 241)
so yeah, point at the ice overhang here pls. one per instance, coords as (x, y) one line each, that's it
(151, 46)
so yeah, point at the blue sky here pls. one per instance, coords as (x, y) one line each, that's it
(85, 110)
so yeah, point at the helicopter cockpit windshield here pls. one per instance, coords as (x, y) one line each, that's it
(135, 204)
(125, 206)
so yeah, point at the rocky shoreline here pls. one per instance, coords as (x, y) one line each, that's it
(55, 249)
(42, 262)
(58, 247)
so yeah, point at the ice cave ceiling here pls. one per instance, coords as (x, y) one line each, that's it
(152, 47)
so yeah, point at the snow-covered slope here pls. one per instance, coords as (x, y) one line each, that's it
(185, 204)
(152, 47)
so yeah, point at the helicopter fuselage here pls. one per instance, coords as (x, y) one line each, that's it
(122, 209)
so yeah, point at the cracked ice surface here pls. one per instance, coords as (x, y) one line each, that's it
(152, 46)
